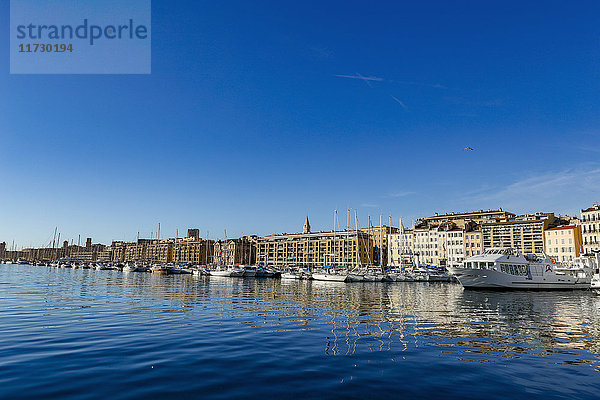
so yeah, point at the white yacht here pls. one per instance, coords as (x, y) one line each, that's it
(596, 283)
(131, 268)
(220, 271)
(508, 268)
(594, 264)
(291, 275)
(330, 274)
(294, 273)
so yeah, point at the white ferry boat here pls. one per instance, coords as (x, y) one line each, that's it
(595, 265)
(507, 268)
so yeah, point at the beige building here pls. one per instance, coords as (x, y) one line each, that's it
(426, 246)
(440, 246)
(310, 249)
(462, 219)
(160, 251)
(401, 248)
(137, 251)
(523, 232)
(235, 251)
(193, 250)
(563, 242)
(105, 255)
(118, 251)
(473, 243)
(455, 246)
(590, 228)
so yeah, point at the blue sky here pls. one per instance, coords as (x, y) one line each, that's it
(253, 117)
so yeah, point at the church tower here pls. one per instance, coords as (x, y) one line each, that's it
(306, 228)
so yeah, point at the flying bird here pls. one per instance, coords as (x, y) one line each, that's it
(469, 148)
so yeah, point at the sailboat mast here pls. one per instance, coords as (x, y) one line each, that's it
(334, 232)
(380, 241)
(347, 238)
(388, 240)
(54, 240)
(357, 243)
(206, 252)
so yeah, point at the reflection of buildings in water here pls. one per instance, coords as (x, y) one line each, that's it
(370, 317)
(491, 325)
(478, 326)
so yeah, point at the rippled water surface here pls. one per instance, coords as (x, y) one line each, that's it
(105, 334)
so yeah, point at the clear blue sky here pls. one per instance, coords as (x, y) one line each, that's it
(247, 123)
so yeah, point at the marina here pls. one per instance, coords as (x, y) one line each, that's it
(300, 200)
(80, 328)
(494, 269)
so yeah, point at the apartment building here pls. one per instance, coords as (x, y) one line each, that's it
(473, 243)
(462, 219)
(590, 228)
(454, 244)
(235, 251)
(524, 232)
(401, 248)
(309, 249)
(564, 243)
(193, 250)
(379, 242)
(427, 247)
(160, 251)
(137, 251)
(118, 251)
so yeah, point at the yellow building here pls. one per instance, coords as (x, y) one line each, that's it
(104, 255)
(379, 241)
(118, 251)
(563, 242)
(192, 250)
(137, 251)
(160, 251)
(401, 248)
(310, 249)
(473, 243)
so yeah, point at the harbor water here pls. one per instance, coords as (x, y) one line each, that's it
(88, 334)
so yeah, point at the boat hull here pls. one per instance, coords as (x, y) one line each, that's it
(329, 277)
(220, 273)
(491, 279)
(290, 275)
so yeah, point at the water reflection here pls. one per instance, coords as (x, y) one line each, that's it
(343, 319)
(472, 326)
